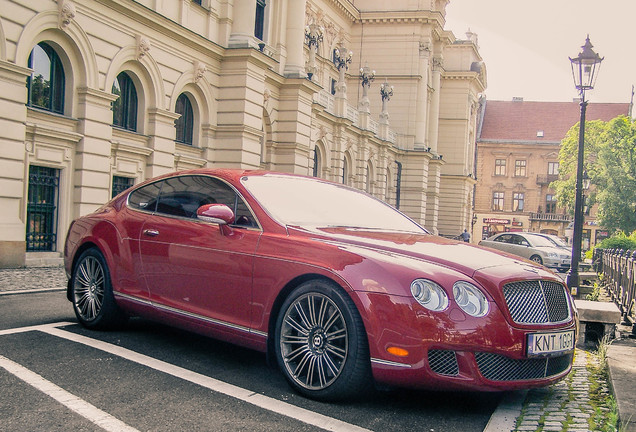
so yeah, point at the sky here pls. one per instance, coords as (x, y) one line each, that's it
(525, 45)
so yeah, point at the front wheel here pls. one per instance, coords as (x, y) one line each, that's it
(537, 259)
(92, 293)
(321, 344)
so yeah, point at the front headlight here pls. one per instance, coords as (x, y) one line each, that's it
(429, 294)
(470, 299)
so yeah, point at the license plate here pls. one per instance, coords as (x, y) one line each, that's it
(565, 261)
(548, 343)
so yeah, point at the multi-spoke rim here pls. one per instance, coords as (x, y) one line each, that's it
(314, 341)
(89, 288)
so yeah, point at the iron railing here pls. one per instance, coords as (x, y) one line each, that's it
(619, 272)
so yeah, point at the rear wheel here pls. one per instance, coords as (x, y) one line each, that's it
(537, 259)
(321, 344)
(92, 292)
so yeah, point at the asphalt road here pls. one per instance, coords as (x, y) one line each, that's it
(57, 376)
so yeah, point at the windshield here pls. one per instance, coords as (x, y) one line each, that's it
(540, 241)
(558, 241)
(301, 201)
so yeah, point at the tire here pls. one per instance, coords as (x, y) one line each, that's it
(321, 344)
(537, 259)
(92, 293)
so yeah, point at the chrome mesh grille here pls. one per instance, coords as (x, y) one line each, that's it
(537, 302)
(496, 367)
(443, 362)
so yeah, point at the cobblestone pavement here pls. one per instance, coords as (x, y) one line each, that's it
(32, 278)
(566, 406)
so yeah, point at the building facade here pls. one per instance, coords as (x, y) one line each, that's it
(99, 95)
(518, 157)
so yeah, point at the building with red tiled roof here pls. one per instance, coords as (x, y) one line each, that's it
(518, 157)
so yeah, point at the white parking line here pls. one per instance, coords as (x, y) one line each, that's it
(261, 401)
(69, 400)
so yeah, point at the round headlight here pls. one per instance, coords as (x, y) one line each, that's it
(470, 299)
(429, 294)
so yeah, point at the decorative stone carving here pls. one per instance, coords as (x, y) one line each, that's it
(143, 46)
(438, 62)
(67, 12)
(266, 96)
(322, 132)
(199, 70)
(425, 48)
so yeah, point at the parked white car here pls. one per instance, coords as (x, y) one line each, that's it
(535, 247)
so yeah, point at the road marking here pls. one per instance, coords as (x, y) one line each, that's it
(265, 402)
(69, 400)
(505, 416)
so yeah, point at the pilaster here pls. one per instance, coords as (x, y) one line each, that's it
(162, 132)
(91, 179)
(13, 113)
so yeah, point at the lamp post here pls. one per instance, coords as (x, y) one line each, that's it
(341, 59)
(313, 37)
(584, 71)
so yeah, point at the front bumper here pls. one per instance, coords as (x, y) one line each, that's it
(453, 351)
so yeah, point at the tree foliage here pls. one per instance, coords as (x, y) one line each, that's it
(610, 161)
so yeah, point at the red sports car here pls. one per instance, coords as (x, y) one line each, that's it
(341, 288)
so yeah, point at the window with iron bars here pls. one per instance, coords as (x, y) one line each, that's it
(41, 227)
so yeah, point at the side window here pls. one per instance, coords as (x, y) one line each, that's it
(503, 239)
(145, 198)
(182, 196)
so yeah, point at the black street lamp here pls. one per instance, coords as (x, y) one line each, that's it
(585, 69)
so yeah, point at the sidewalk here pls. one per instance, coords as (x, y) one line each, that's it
(565, 406)
(32, 279)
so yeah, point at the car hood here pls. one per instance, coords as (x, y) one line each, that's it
(460, 256)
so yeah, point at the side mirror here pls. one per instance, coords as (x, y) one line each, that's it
(216, 213)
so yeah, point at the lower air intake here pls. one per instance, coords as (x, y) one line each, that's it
(443, 362)
(496, 367)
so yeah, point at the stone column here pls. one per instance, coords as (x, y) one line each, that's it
(295, 37)
(244, 16)
(12, 164)
(421, 103)
(433, 117)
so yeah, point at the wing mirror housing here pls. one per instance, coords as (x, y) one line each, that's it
(216, 213)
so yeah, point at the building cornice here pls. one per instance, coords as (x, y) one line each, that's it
(347, 9)
(521, 142)
(402, 17)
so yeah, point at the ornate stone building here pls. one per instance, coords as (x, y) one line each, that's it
(518, 157)
(98, 95)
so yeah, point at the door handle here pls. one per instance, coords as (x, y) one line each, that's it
(151, 232)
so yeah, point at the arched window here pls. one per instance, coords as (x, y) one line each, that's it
(46, 85)
(185, 123)
(346, 170)
(317, 162)
(368, 179)
(125, 107)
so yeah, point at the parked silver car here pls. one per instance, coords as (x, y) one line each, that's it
(535, 247)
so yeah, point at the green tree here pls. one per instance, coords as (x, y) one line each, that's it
(617, 176)
(610, 162)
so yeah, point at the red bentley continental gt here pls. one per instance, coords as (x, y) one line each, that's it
(341, 288)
